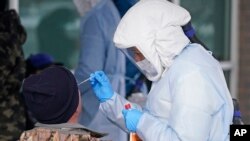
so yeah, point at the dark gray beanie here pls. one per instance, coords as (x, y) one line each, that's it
(52, 95)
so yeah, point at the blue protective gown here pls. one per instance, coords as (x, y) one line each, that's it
(99, 53)
(190, 102)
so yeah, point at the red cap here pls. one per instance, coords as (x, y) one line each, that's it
(127, 106)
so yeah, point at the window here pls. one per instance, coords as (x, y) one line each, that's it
(211, 19)
(52, 27)
(215, 22)
(216, 25)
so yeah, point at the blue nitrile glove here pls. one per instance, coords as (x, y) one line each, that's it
(132, 117)
(101, 86)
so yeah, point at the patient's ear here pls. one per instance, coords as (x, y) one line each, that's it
(76, 115)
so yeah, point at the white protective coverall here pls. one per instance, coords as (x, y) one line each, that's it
(98, 52)
(189, 101)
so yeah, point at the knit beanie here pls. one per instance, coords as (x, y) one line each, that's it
(52, 95)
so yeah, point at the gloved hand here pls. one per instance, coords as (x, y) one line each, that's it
(132, 117)
(101, 86)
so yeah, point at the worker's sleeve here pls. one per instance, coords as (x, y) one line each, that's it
(190, 116)
(113, 107)
(92, 52)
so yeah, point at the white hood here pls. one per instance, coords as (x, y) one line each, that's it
(154, 27)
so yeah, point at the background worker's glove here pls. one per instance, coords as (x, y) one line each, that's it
(101, 86)
(132, 117)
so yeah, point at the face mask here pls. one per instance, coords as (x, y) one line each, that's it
(147, 68)
(84, 6)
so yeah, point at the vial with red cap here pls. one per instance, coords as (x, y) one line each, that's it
(132, 136)
(127, 106)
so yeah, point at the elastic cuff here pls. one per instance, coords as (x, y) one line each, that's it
(105, 99)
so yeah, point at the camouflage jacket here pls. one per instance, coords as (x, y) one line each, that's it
(12, 70)
(60, 132)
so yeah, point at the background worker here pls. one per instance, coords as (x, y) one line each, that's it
(99, 19)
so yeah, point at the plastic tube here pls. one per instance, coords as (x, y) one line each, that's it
(132, 136)
(84, 81)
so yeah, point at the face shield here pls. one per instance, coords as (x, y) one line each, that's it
(144, 65)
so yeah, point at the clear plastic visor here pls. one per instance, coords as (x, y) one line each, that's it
(144, 65)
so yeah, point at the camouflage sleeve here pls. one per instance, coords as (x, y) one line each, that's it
(12, 71)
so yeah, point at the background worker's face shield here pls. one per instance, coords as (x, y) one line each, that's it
(144, 65)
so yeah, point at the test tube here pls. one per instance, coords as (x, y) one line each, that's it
(132, 136)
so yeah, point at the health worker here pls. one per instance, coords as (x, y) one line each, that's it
(189, 99)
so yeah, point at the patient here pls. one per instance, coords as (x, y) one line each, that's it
(54, 100)
(35, 63)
